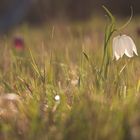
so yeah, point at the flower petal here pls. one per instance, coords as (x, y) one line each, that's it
(128, 53)
(116, 56)
(133, 45)
(128, 46)
(121, 46)
(117, 52)
(115, 40)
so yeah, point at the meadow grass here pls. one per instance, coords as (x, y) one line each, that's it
(64, 58)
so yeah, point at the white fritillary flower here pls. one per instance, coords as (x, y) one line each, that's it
(123, 44)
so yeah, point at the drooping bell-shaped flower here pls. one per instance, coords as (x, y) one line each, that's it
(123, 44)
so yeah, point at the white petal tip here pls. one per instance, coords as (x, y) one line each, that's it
(136, 53)
(117, 58)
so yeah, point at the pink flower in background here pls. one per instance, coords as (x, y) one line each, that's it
(19, 43)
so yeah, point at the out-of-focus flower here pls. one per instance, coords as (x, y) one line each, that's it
(10, 97)
(74, 82)
(19, 43)
(123, 44)
(57, 98)
(9, 105)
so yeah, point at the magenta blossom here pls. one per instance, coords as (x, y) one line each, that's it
(19, 43)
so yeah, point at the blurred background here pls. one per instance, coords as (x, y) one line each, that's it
(39, 11)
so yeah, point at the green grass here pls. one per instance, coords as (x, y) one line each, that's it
(64, 59)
